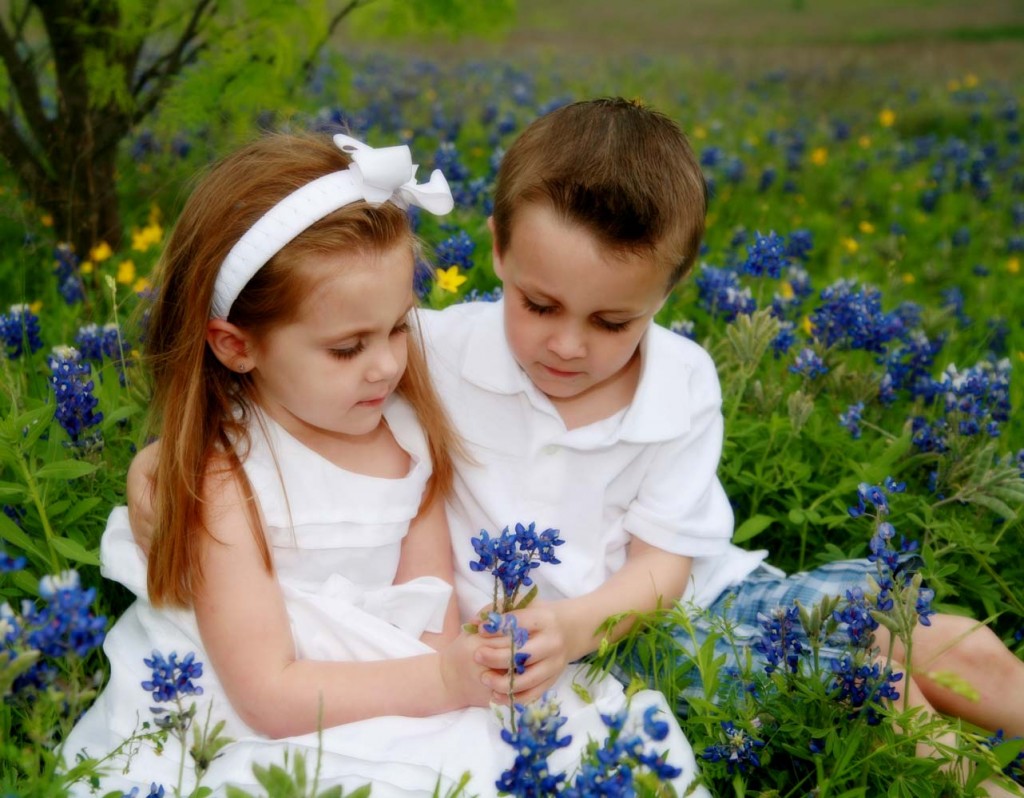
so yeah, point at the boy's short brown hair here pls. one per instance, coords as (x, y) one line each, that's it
(625, 172)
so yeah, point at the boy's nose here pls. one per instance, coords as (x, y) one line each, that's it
(567, 344)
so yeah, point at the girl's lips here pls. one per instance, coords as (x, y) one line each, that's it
(373, 402)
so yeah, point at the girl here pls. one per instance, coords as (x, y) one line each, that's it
(302, 551)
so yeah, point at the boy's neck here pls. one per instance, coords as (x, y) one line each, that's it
(601, 401)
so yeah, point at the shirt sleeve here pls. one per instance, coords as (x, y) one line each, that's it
(681, 507)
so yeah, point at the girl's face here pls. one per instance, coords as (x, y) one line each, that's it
(325, 375)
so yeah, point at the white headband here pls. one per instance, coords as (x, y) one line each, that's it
(375, 175)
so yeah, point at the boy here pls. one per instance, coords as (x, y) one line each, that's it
(581, 414)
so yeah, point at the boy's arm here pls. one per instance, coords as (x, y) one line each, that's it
(566, 630)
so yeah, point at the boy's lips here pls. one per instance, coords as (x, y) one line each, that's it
(559, 372)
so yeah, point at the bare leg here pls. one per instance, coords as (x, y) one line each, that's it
(972, 652)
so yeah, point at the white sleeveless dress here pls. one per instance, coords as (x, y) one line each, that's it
(335, 537)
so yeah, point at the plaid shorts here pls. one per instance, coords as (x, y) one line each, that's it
(763, 591)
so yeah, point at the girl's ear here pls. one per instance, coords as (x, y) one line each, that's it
(230, 345)
(495, 255)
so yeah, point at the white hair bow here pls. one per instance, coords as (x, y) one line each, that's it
(375, 175)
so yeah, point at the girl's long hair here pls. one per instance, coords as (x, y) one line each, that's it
(200, 408)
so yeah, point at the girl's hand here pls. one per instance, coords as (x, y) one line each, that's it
(548, 651)
(464, 677)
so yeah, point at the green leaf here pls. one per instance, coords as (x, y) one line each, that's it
(11, 492)
(76, 552)
(753, 526)
(81, 508)
(955, 683)
(66, 469)
(997, 506)
(1006, 752)
(13, 533)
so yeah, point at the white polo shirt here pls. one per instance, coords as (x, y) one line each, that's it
(648, 471)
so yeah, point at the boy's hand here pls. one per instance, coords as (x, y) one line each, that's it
(141, 506)
(548, 649)
(465, 679)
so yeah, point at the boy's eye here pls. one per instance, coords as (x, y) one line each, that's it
(533, 307)
(611, 326)
(348, 353)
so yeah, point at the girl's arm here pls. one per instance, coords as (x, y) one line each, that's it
(427, 551)
(247, 636)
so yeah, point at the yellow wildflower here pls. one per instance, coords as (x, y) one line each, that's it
(155, 214)
(449, 279)
(141, 285)
(887, 117)
(100, 252)
(700, 132)
(908, 278)
(819, 157)
(86, 267)
(866, 227)
(47, 220)
(850, 245)
(953, 85)
(126, 272)
(970, 80)
(146, 237)
(36, 306)
(864, 142)
(807, 326)
(786, 288)
(1013, 265)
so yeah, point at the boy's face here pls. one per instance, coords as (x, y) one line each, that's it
(575, 310)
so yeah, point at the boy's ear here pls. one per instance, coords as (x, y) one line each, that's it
(230, 345)
(495, 255)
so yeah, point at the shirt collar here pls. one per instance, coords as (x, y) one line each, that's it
(659, 410)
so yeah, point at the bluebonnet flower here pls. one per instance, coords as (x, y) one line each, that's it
(768, 175)
(654, 728)
(172, 679)
(784, 339)
(155, 791)
(456, 250)
(856, 619)
(851, 419)
(719, 292)
(534, 740)
(739, 752)
(94, 343)
(69, 279)
(1015, 768)
(779, 642)
(497, 623)
(613, 767)
(766, 256)
(683, 327)
(475, 295)
(65, 624)
(853, 317)
(809, 364)
(512, 555)
(448, 160)
(9, 564)
(10, 625)
(923, 605)
(19, 331)
(73, 389)
(869, 494)
(863, 687)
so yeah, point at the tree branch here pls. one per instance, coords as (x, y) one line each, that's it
(31, 172)
(170, 63)
(26, 87)
(307, 66)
